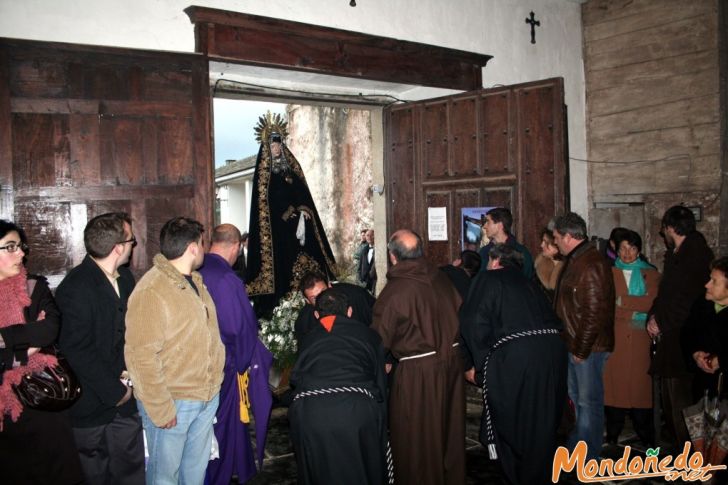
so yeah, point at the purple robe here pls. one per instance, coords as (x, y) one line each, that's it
(243, 351)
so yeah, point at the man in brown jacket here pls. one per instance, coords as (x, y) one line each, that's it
(175, 356)
(584, 301)
(417, 317)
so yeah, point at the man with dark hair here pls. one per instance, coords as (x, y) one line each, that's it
(247, 363)
(367, 264)
(92, 299)
(416, 315)
(497, 227)
(175, 356)
(312, 284)
(360, 248)
(504, 307)
(685, 271)
(462, 271)
(584, 301)
(338, 415)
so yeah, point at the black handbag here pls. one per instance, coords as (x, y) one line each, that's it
(52, 389)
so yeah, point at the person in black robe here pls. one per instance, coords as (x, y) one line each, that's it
(338, 415)
(286, 235)
(462, 271)
(312, 284)
(526, 376)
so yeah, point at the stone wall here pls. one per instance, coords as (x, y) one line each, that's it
(653, 113)
(334, 148)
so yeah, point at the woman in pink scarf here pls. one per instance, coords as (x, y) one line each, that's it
(36, 447)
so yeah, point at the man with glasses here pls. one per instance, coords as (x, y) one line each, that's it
(92, 299)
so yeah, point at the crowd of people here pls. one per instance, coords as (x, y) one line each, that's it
(563, 348)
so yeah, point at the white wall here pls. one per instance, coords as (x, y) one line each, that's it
(494, 27)
(235, 203)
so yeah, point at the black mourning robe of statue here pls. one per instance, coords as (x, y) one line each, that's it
(276, 259)
(526, 377)
(340, 438)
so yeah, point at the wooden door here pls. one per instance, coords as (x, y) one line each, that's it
(493, 147)
(86, 130)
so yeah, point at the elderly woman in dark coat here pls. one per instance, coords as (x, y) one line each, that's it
(36, 447)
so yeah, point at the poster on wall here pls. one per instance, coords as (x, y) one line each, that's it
(473, 220)
(437, 223)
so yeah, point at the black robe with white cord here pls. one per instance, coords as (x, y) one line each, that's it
(340, 437)
(526, 377)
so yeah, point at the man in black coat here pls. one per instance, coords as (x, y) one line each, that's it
(92, 299)
(509, 318)
(685, 273)
(338, 416)
(367, 266)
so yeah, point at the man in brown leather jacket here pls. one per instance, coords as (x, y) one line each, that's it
(584, 301)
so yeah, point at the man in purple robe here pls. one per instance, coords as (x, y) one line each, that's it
(247, 362)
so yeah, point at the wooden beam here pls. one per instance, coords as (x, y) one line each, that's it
(105, 192)
(100, 107)
(271, 42)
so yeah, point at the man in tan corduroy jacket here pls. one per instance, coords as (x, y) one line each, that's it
(175, 356)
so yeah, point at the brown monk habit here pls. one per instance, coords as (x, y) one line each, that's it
(416, 314)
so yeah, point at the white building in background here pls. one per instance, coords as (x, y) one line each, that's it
(234, 188)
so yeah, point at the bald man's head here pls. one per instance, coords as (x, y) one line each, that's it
(405, 244)
(226, 242)
(225, 233)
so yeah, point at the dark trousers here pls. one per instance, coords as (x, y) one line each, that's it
(112, 453)
(641, 421)
(676, 394)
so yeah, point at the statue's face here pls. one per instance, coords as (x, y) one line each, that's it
(275, 149)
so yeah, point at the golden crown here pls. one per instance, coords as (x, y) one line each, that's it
(268, 124)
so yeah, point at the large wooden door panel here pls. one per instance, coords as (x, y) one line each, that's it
(495, 125)
(94, 130)
(505, 144)
(400, 175)
(435, 141)
(464, 136)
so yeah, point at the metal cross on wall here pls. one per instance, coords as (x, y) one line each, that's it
(532, 20)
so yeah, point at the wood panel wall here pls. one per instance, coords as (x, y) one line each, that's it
(653, 108)
(501, 147)
(87, 130)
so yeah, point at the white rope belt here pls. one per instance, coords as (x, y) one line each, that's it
(492, 453)
(333, 390)
(360, 390)
(426, 354)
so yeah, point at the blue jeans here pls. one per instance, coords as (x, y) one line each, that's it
(586, 390)
(180, 454)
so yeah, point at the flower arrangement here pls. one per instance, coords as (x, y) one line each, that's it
(277, 333)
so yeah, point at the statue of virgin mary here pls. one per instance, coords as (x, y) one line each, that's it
(286, 235)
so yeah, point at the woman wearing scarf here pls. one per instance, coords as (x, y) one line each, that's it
(627, 386)
(36, 447)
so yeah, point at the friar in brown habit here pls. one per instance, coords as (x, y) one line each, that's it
(417, 317)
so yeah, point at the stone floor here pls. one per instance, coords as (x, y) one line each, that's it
(279, 466)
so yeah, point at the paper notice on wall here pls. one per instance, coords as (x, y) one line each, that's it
(437, 223)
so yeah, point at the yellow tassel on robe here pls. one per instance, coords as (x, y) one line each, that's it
(243, 380)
